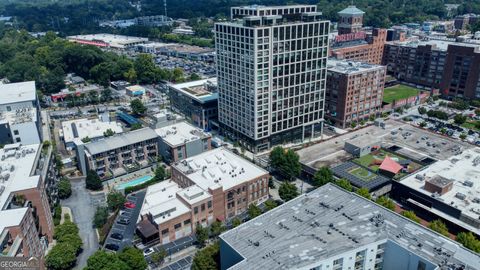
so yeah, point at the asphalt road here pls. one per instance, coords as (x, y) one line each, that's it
(127, 231)
(83, 207)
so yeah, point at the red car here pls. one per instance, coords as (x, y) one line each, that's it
(129, 205)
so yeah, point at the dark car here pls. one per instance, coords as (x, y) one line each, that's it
(117, 236)
(112, 247)
(124, 221)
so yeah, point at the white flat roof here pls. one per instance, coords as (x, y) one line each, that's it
(17, 92)
(162, 203)
(11, 217)
(76, 130)
(460, 168)
(194, 194)
(111, 39)
(219, 167)
(180, 133)
(198, 90)
(15, 167)
(350, 67)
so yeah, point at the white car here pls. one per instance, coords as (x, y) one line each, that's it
(148, 251)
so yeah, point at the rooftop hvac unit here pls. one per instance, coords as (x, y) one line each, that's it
(468, 183)
(460, 196)
(420, 177)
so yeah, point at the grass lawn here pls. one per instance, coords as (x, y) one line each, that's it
(367, 160)
(470, 125)
(363, 174)
(398, 92)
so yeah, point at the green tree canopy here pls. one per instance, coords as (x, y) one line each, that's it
(440, 227)
(386, 202)
(160, 173)
(109, 132)
(270, 204)
(254, 211)
(100, 217)
(344, 183)
(202, 234)
(133, 258)
(236, 222)
(364, 193)
(105, 260)
(287, 191)
(217, 228)
(64, 229)
(137, 107)
(207, 258)
(92, 181)
(468, 240)
(322, 176)
(287, 162)
(61, 257)
(115, 200)
(411, 215)
(64, 188)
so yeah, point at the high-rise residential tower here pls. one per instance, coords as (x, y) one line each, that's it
(271, 68)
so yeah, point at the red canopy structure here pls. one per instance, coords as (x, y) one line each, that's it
(390, 165)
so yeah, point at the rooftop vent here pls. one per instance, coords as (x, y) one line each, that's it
(460, 196)
(468, 183)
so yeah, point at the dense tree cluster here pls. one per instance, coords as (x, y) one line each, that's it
(285, 162)
(128, 259)
(69, 244)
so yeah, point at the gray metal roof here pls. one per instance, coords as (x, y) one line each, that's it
(330, 221)
(351, 10)
(119, 140)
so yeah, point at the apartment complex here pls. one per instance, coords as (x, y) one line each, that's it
(214, 185)
(19, 114)
(447, 189)
(271, 72)
(182, 140)
(330, 228)
(197, 100)
(354, 91)
(119, 153)
(461, 22)
(353, 43)
(26, 224)
(448, 66)
(74, 131)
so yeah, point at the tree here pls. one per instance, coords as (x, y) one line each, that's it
(115, 200)
(74, 240)
(137, 107)
(270, 204)
(86, 139)
(253, 211)
(61, 257)
(159, 173)
(236, 222)
(64, 229)
(106, 261)
(463, 136)
(158, 256)
(217, 228)
(106, 95)
(322, 176)
(440, 227)
(202, 235)
(468, 240)
(64, 188)
(135, 126)
(353, 124)
(291, 166)
(276, 157)
(287, 191)
(386, 202)
(344, 183)
(194, 77)
(423, 124)
(133, 258)
(364, 193)
(109, 132)
(459, 119)
(92, 181)
(145, 68)
(207, 258)
(411, 215)
(100, 217)
(422, 110)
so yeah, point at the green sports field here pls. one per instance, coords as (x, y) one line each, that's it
(398, 92)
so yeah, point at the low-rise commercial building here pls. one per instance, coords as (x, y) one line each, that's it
(135, 91)
(108, 40)
(448, 66)
(330, 228)
(214, 185)
(119, 153)
(19, 114)
(354, 91)
(182, 140)
(26, 224)
(197, 100)
(448, 189)
(74, 132)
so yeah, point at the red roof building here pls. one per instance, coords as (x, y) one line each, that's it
(390, 165)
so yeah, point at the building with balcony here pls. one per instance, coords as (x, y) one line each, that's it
(182, 140)
(330, 228)
(214, 185)
(19, 114)
(26, 224)
(119, 154)
(354, 91)
(74, 131)
(197, 100)
(271, 73)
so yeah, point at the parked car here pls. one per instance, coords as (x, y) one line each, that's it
(129, 205)
(112, 247)
(123, 221)
(147, 251)
(117, 236)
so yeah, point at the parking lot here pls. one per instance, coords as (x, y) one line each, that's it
(127, 231)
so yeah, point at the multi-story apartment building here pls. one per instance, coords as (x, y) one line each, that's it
(462, 21)
(119, 153)
(26, 223)
(19, 114)
(197, 100)
(353, 43)
(354, 91)
(215, 185)
(448, 66)
(330, 228)
(182, 140)
(271, 72)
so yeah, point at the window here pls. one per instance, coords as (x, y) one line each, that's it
(18, 140)
(15, 132)
(186, 222)
(209, 204)
(165, 232)
(9, 108)
(203, 207)
(195, 210)
(421, 266)
(177, 226)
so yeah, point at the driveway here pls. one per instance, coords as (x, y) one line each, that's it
(83, 206)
